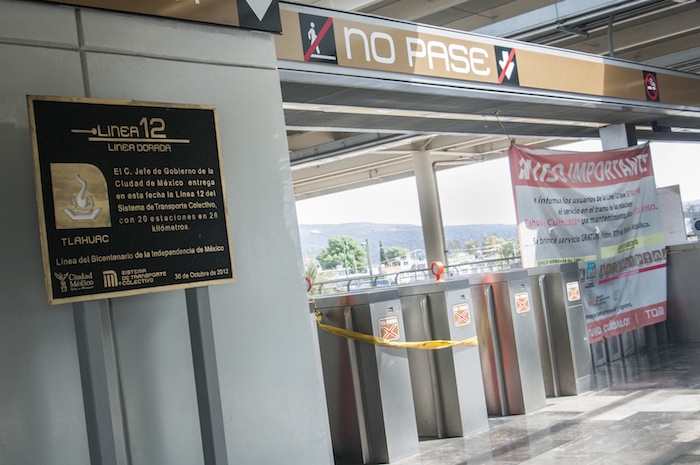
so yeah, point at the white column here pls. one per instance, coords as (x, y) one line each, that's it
(429, 201)
(618, 136)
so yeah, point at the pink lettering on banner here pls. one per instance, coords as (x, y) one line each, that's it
(632, 319)
(529, 168)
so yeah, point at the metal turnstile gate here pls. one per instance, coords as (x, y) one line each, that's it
(368, 387)
(565, 354)
(510, 358)
(448, 388)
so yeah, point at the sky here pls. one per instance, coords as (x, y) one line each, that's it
(462, 191)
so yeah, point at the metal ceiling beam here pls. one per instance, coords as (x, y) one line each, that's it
(502, 13)
(637, 36)
(546, 19)
(410, 10)
(346, 145)
(366, 161)
(677, 58)
(359, 177)
(345, 5)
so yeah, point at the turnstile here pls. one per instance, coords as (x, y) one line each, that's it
(510, 358)
(561, 322)
(613, 348)
(368, 387)
(599, 354)
(448, 389)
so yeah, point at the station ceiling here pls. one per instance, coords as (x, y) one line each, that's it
(346, 131)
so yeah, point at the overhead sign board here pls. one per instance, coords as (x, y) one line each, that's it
(259, 15)
(131, 197)
(353, 41)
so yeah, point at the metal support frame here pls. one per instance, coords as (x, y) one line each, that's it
(498, 355)
(99, 417)
(206, 376)
(95, 383)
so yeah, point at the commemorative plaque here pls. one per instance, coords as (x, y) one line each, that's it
(131, 197)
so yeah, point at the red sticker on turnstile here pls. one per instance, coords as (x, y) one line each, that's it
(522, 302)
(389, 328)
(573, 291)
(460, 312)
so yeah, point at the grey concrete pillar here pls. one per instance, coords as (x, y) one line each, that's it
(618, 136)
(430, 214)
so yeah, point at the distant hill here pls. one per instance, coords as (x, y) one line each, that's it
(410, 236)
(394, 235)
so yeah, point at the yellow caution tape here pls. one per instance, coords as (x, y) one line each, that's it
(378, 341)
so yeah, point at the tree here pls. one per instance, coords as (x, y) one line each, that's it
(493, 244)
(471, 246)
(454, 245)
(312, 272)
(311, 269)
(395, 252)
(492, 239)
(504, 247)
(510, 248)
(382, 254)
(345, 252)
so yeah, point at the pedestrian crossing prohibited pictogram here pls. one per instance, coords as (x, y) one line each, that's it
(317, 38)
(389, 328)
(522, 302)
(460, 313)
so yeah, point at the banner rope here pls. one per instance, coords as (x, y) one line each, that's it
(378, 341)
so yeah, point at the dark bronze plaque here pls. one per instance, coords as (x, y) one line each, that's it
(131, 197)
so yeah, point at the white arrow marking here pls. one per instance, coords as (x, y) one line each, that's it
(511, 65)
(259, 7)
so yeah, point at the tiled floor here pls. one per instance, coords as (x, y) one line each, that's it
(645, 411)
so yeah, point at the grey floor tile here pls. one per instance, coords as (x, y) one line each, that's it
(644, 411)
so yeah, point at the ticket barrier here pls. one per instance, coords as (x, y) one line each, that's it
(448, 389)
(567, 367)
(368, 387)
(510, 359)
(613, 348)
(633, 342)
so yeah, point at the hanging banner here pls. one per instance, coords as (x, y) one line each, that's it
(131, 197)
(599, 210)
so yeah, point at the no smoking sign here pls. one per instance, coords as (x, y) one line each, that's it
(651, 86)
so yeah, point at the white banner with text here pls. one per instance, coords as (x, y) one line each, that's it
(598, 209)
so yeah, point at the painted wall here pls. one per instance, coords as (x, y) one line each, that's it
(272, 391)
(683, 323)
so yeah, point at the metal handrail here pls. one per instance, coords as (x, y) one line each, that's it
(364, 281)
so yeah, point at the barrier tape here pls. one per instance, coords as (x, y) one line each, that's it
(378, 341)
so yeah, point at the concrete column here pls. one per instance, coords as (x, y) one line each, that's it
(430, 214)
(618, 136)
